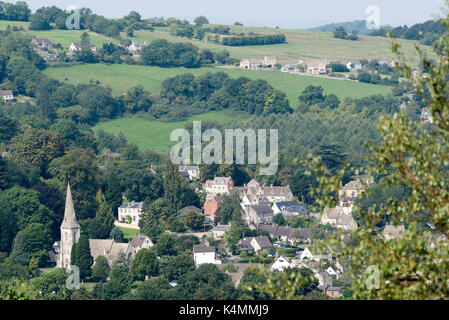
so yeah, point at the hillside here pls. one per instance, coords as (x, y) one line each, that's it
(358, 26)
(122, 77)
(301, 44)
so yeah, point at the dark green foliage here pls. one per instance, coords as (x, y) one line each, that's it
(120, 283)
(144, 264)
(153, 289)
(175, 267)
(117, 235)
(253, 40)
(100, 269)
(32, 242)
(229, 208)
(165, 54)
(82, 257)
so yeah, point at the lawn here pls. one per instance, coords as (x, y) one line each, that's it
(155, 135)
(121, 77)
(129, 233)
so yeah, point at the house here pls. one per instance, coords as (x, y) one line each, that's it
(282, 263)
(269, 61)
(184, 210)
(332, 272)
(281, 233)
(354, 65)
(290, 208)
(336, 217)
(211, 205)
(110, 249)
(219, 231)
(306, 254)
(140, 242)
(43, 43)
(256, 193)
(136, 47)
(130, 212)
(391, 231)
(288, 68)
(185, 175)
(258, 214)
(254, 64)
(255, 244)
(193, 172)
(77, 46)
(342, 265)
(220, 185)
(204, 254)
(324, 279)
(334, 292)
(7, 95)
(241, 268)
(355, 188)
(251, 64)
(317, 66)
(302, 235)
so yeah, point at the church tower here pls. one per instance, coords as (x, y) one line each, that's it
(70, 232)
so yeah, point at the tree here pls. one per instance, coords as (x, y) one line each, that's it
(145, 264)
(37, 147)
(82, 257)
(39, 21)
(152, 289)
(8, 129)
(279, 219)
(194, 220)
(120, 282)
(340, 33)
(199, 21)
(100, 269)
(312, 95)
(32, 242)
(166, 245)
(229, 208)
(117, 235)
(175, 267)
(103, 223)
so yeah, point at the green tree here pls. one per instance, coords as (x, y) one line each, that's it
(199, 21)
(100, 269)
(103, 223)
(145, 263)
(82, 257)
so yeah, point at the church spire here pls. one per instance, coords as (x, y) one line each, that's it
(69, 214)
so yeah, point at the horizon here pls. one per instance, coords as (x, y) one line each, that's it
(300, 15)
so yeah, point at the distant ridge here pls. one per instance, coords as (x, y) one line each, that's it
(358, 26)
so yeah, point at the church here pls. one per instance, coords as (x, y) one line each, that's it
(70, 234)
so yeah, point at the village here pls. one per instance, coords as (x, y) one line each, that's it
(278, 247)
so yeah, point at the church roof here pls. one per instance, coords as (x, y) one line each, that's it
(69, 214)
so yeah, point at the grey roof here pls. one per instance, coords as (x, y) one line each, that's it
(69, 221)
(200, 248)
(184, 210)
(132, 205)
(41, 41)
(221, 227)
(261, 208)
(275, 230)
(292, 206)
(263, 242)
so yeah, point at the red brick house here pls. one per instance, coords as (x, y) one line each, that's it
(211, 206)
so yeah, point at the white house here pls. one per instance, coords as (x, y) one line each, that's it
(192, 171)
(132, 210)
(307, 254)
(281, 264)
(354, 65)
(220, 185)
(136, 47)
(140, 242)
(77, 46)
(7, 95)
(204, 254)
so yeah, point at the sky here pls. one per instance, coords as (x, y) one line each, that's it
(270, 13)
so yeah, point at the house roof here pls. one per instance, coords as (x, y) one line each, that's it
(275, 230)
(132, 205)
(184, 210)
(333, 213)
(261, 208)
(262, 241)
(354, 185)
(202, 248)
(6, 93)
(100, 247)
(41, 41)
(221, 227)
(137, 241)
(393, 230)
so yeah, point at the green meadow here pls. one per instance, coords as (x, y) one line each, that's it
(155, 135)
(121, 77)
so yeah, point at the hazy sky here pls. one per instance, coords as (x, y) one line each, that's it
(270, 13)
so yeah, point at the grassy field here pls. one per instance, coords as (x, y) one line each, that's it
(122, 77)
(301, 44)
(155, 135)
(128, 233)
(64, 37)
